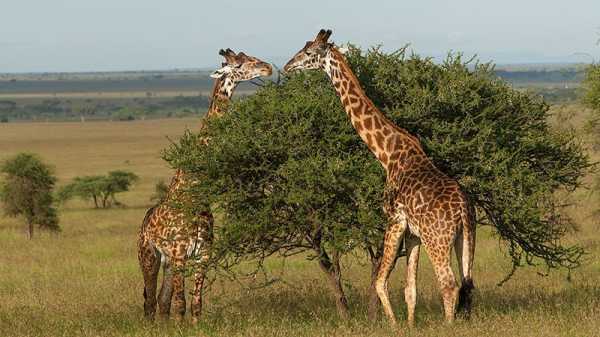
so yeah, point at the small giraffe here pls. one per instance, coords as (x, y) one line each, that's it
(423, 204)
(170, 238)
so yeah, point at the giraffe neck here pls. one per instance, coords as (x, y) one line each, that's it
(392, 146)
(176, 182)
(221, 96)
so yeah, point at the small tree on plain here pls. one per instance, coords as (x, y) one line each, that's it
(100, 189)
(26, 190)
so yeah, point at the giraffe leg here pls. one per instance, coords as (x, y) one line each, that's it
(410, 292)
(166, 290)
(392, 240)
(150, 264)
(202, 265)
(196, 306)
(440, 254)
(464, 247)
(179, 290)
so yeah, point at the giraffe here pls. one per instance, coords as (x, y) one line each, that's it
(170, 238)
(423, 205)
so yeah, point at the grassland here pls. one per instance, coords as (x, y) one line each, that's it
(85, 281)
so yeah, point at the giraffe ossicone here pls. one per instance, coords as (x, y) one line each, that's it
(423, 205)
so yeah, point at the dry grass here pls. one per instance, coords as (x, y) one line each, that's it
(85, 281)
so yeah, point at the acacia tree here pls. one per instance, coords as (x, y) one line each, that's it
(26, 190)
(290, 174)
(100, 189)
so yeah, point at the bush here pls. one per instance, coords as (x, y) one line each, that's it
(161, 189)
(26, 190)
(101, 189)
(290, 174)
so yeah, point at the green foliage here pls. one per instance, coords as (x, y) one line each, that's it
(286, 167)
(101, 189)
(591, 85)
(26, 190)
(591, 89)
(160, 191)
(124, 114)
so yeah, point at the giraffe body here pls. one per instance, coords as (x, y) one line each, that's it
(424, 206)
(170, 238)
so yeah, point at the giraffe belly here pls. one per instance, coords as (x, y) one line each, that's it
(195, 246)
(400, 216)
(163, 257)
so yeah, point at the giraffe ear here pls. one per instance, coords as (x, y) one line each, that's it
(343, 49)
(220, 72)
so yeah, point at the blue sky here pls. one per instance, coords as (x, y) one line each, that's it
(103, 35)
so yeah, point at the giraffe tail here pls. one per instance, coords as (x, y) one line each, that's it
(141, 237)
(466, 256)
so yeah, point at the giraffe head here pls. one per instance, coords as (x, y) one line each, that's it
(241, 67)
(313, 55)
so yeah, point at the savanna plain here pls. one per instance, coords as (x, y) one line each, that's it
(85, 281)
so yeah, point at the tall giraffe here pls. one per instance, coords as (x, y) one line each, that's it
(170, 238)
(423, 204)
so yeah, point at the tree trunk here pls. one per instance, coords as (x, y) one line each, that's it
(30, 230)
(373, 303)
(95, 201)
(334, 277)
(332, 270)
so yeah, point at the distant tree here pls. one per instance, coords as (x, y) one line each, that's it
(101, 189)
(160, 191)
(26, 191)
(124, 114)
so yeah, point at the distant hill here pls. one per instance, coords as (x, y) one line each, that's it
(130, 95)
(544, 75)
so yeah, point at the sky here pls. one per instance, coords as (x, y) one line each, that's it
(113, 35)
